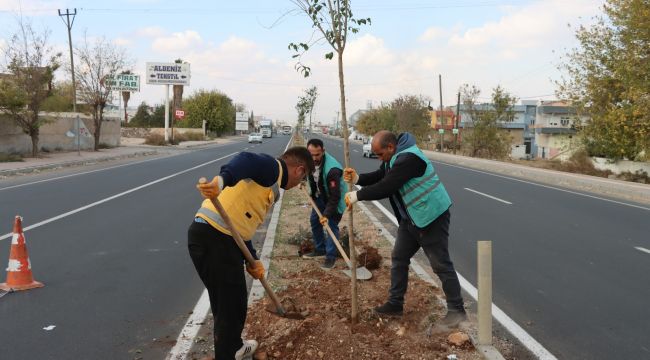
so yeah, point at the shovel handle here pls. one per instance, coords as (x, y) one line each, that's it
(242, 246)
(329, 231)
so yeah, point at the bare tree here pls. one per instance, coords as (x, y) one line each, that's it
(31, 63)
(97, 60)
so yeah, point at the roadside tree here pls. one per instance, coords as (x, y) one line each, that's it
(607, 78)
(97, 60)
(31, 63)
(213, 106)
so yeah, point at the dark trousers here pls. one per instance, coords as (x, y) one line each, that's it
(219, 263)
(323, 242)
(433, 239)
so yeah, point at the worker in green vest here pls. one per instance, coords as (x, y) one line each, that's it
(421, 205)
(326, 188)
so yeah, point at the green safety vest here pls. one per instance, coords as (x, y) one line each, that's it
(425, 198)
(329, 163)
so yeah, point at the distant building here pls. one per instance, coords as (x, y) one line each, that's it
(555, 129)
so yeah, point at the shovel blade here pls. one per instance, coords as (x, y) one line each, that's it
(362, 273)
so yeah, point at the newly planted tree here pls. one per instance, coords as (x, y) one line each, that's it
(334, 20)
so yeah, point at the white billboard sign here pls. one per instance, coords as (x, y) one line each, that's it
(123, 82)
(168, 74)
(241, 125)
(241, 116)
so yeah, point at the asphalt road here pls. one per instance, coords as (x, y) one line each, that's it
(565, 266)
(110, 246)
(120, 284)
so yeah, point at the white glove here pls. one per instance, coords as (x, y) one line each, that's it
(350, 199)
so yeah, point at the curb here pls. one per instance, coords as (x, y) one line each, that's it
(36, 168)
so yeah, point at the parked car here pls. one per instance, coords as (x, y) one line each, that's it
(255, 138)
(366, 148)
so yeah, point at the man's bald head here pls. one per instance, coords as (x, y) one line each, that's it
(384, 145)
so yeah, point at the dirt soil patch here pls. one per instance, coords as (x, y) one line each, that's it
(324, 297)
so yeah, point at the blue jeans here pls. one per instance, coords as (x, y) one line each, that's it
(322, 243)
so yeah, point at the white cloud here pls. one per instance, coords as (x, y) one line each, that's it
(368, 50)
(151, 31)
(176, 42)
(432, 33)
(122, 42)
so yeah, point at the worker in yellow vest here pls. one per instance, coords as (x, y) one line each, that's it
(247, 187)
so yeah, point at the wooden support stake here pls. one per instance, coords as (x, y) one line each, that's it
(485, 292)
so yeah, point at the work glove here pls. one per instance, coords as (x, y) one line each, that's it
(211, 189)
(323, 220)
(350, 198)
(256, 269)
(349, 174)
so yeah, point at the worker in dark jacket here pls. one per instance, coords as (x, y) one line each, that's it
(421, 205)
(325, 188)
(247, 188)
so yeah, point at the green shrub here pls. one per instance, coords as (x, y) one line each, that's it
(4, 157)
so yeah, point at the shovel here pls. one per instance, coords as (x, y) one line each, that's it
(362, 272)
(279, 309)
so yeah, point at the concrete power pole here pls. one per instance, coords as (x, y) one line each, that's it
(69, 24)
(442, 114)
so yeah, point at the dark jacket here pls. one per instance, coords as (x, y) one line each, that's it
(334, 189)
(386, 182)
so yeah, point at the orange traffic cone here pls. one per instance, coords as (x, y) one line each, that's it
(19, 270)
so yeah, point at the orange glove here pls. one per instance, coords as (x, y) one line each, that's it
(350, 198)
(349, 174)
(256, 269)
(323, 220)
(210, 189)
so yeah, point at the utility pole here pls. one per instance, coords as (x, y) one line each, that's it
(68, 25)
(442, 114)
(457, 118)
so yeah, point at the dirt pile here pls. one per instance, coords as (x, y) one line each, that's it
(327, 332)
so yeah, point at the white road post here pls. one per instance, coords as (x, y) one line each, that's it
(485, 292)
(166, 113)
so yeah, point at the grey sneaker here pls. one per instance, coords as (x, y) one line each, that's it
(454, 318)
(247, 350)
(314, 255)
(328, 263)
(389, 309)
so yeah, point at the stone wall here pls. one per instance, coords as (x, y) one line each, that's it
(58, 134)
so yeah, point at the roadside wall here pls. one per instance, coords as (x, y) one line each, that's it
(144, 132)
(58, 134)
(621, 165)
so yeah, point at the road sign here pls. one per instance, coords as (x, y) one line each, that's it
(122, 82)
(241, 125)
(180, 114)
(168, 74)
(241, 116)
(441, 131)
(454, 131)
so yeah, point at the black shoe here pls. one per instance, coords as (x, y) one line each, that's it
(314, 255)
(454, 318)
(389, 309)
(328, 263)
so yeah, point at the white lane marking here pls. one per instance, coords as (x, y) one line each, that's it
(191, 328)
(517, 331)
(355, 150)
(71, 212)
(489, 196)
(76, 174)
(193, 324)
(642, 249)
(546, 186)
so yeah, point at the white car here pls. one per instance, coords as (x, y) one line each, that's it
(366, 149)
(255, 138)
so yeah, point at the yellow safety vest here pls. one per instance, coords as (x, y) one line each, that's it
(246, 203)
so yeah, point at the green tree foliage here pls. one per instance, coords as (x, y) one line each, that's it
(608, 78)
(485, 138)
(31, 63)
(407, 113)
(142, 117)
(60, 99)
(213, 106)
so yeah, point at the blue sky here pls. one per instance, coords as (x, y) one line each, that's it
(241, 48)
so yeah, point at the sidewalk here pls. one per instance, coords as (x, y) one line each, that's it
(131, 147)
